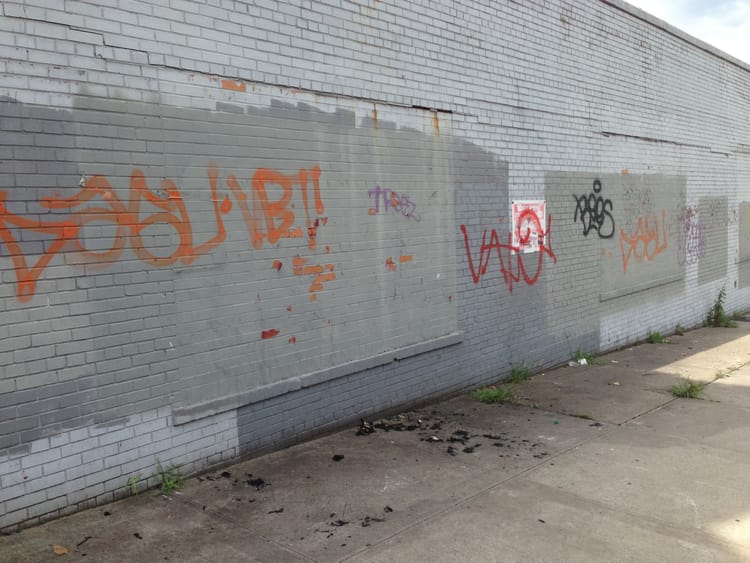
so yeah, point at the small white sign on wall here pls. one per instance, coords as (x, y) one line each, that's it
(528, 220)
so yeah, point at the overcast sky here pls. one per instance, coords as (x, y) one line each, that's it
(722, 23)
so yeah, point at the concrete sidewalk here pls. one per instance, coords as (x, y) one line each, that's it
(592, 463)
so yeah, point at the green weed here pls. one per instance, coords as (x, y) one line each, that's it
(492, 394)
(717, 316)
(519, 372)
(581, 355)
(688, 389)
(656, 337)
(170, 479)
(131, 486)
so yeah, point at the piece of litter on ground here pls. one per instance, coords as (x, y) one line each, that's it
(60, 549)
(614, 361)
(365, 427)
(583, 362)
(615, 383)
(555, 421)
(369, 519)
(337, 457)
(257, 483)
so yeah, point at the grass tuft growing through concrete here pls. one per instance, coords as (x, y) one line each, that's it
(518, 373)
(492, 394)
(170, 478)
(717, 316)
(656, 337)
(131, 486)
(686, 388)
(579, 355)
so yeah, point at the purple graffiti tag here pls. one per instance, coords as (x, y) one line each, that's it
(393, 202)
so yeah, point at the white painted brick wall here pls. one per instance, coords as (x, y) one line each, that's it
(536, 99)
(95, 462)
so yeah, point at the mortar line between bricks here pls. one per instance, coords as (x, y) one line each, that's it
(314, 91)
(611, 428)
(221, 516)
(391, 103)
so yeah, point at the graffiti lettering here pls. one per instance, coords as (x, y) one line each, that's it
(507, 253)
(594, 212)
(394, 202)
(691, 241)
(273, 211)
(96, 202)
(323, 273)
(645, 242)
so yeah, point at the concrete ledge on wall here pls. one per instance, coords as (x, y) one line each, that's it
(183, 415)
(651, 284)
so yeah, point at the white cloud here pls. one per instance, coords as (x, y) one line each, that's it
(724, 24)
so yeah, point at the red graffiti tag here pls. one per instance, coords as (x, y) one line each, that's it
(507, 254)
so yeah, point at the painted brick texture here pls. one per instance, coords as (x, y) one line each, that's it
(228, 226)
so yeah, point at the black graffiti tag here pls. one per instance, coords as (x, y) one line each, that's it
(595, 212)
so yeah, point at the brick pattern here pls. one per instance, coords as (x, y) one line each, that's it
(91, 465)
(465, 106)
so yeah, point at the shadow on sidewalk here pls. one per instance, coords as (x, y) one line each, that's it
(396, 482)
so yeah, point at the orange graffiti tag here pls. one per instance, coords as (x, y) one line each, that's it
(323, 273)
(238, 86)
(645, 243)
(128, 219)
(278, 217)
(96, 202)
(405, 258)
(390, 265)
